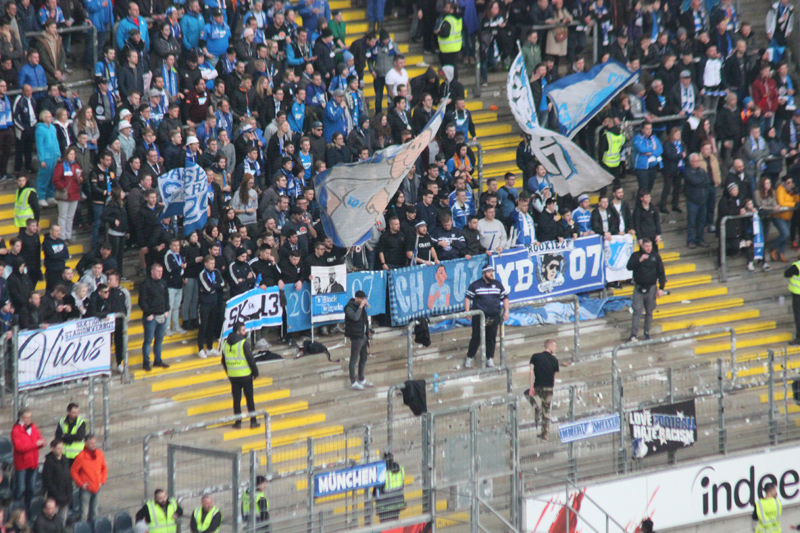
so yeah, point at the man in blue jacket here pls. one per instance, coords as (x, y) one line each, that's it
(336, 116)
(192, 24)
(133, 21)
(647, 152)
(32, 73)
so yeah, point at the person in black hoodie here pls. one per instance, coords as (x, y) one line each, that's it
(56, 254)
(240, 273)
(98, 302)
(646, 220)
(19, 286)
(292, 270)
(30, 314)
(356, 328)
(210, 304)
(57, 480)
(154, 303)
(32, 250)
(238, 362)
(265, 269)
(119, 301)
(547, 228)
(472, 238)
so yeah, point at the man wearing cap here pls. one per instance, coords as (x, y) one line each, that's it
(684, 95)
(103, 105)
(193, 151)
(490, 296)
(582, 215)
(419, 248)
(356, 328)
(337, 116)
(215, 37)
(325, 54)
(132, 22)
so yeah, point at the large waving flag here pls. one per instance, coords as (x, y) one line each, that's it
(579, 97)
(185, 193)
(569, 168)
(353, 196)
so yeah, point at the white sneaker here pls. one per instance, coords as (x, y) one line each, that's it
(490, 363)
(366, 384)
(168, 333)
(202, 354)
(43, 203)
(750, 266)
(765, 266)
(51, 201)
(179, 331)
(467, 362)
(356, 386)
(120, 368)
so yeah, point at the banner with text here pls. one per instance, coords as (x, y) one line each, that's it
(589, 428)
(298, 303)
(328, 293)
(354, 478)
(65, 352)
(426, 290)
(665, 428)
(257, 308)
(185, 193)
(617, 251)
(551, 268)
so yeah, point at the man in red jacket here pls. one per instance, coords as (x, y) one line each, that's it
(27, 441)
(765, 92)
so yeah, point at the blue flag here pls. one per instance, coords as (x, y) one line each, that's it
(185, 193)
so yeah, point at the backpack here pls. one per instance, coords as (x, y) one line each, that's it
(311, 348)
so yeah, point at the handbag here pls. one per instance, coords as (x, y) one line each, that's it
(561, 34)
(61, 195)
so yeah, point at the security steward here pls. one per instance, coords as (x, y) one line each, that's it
(206, 518)
(611, 144)
(793, 273)
(71, 430)
(26, 203)
(238, 362)
(391, 498)
(262, 504)
(449, 36)
(767, 513)
(488, 295)
(161, 513)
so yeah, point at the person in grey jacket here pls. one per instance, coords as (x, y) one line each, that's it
(753, 149)
(356, 328)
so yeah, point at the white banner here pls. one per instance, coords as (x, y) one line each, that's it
(616, 253)
(704, 491)
(328, 293)
(65, 352)
(569, 168)
(257, 308)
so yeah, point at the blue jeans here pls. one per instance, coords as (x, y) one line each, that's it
(24, 486)
(375, 10)
(101, 40)
(44, 180)
(152, 330)
(780, 241)
(646, 178)
(89, 505)
(711, 203)
(695, 223)
(97, 210)
(489, 61)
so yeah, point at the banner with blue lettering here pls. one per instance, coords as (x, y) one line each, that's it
(298, 303)
(424, 290)
(578, 97)
(257, 308)
(354, 478)
(588, 428)
(328, 293)
(185, 193)
(551, 268)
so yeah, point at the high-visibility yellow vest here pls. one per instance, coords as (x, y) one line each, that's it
(22, 209)
(260, 496)
(794, 281)
(203, 525)
(71, 451)
(235, 360)
(613, 155)
(451, 43)
(161, 522)
(394, 480)
(769, 512)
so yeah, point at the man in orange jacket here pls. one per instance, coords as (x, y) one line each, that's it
(89, 472)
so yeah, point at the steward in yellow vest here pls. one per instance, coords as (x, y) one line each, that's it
(237, 359)
(449, 35)
(391, 497)
(71, 430)
(793, 273)
(161, 513)
(612, 142)
(26, 203)
(262, 504)
(206, 518)
(768, 511)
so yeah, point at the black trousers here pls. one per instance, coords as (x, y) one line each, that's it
(24, 150)
(51, 278)
(796, 311)
(379, 83)
(208, 328)
(117, 243)
(6, 142)
(239, 385)
(671, 184)
(119, 348)
(491, 336)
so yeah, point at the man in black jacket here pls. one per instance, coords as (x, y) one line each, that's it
(31, 249)
(646, 221)
(48, 520)
(356, 328)
(154, 303)
(56, 254)
(649, 281)
(238, 362)
(547, 228)
(392, 247)
(210, 306)
(57, 480)
(696, 184)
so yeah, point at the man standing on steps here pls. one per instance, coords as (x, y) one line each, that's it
(449, 36)
(154, 303)
(238, 362)
(356, 328)
(488, 295)
(649, 280)
(793, 273)
(542, 381)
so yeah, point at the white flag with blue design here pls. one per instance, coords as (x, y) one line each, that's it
(185, 193)
(570, 169)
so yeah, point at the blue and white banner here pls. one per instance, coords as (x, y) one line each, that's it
(65, 352)
(354, 478)
(569, 168)
(185, 193)
(424, 290)
(353, 196)
(298, 303)
(579, 97)
(588, 428)
(551, 269)
(617, 251)
(257, 308)
(328, 293)
(758, 237)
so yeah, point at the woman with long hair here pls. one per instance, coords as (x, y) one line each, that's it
(18, 522)
(703, 133)
(84, 121)
(459, 164)
(115, 220)
(210, 237)
(397, 206)
(68, 176)
(381, 132)
(63, 126)
(336, 151)
(245, 203)
(263, 90)
(767, 204)
(229, 223)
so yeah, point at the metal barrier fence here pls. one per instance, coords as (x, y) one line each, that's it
(436, 320)
(576, 305)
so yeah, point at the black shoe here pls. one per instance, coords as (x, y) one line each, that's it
(254, 424)
(663, 211)
(702, 244)
(147, 368)
(677, 210)
(237, 424)
(161, 364)
(795, 342)
(647, 336)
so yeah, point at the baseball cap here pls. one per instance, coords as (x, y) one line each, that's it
(316, 124)
(686, 74)
(154, 93)
(488, 268)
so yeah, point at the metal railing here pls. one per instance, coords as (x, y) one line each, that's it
(576, 343)
(436, 320)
